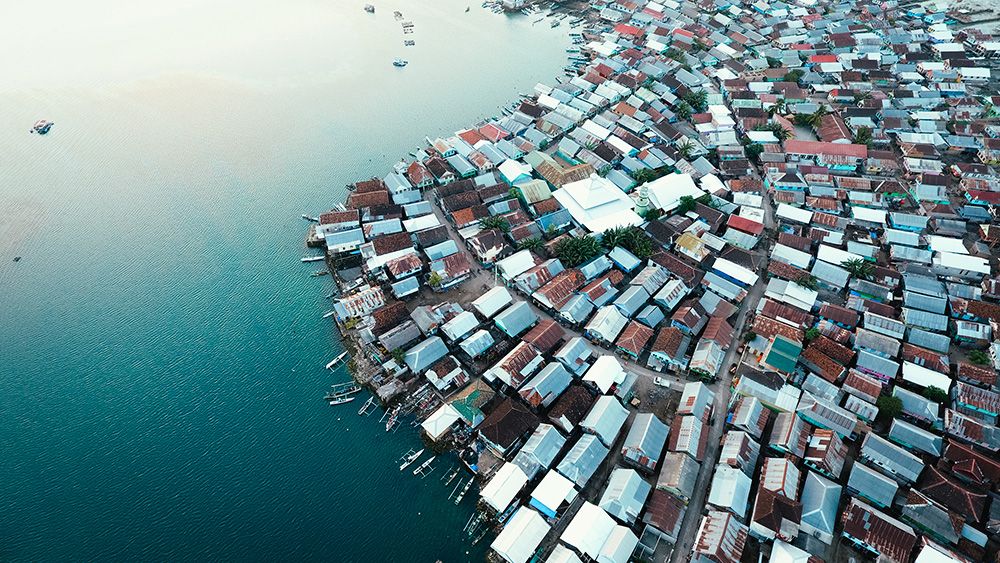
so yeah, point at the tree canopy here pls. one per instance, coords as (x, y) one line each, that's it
(889, 406)
(859, 268)
(573, 251)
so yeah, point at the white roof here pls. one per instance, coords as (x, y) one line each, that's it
(589, 530)
(598, 204)
(868, 214)
(962, 262)
(605, 418)
(516, 264)
(787, 553)
(420, 223)
(521, 536)
(934, 553)
(712, 184)
(789, 255)
(460, 325)
(504, 486)
(619, 546)
(919, 375)
(835, 256)
(553, 490)
(666, 192)
(441, 421)
(947, 244)
(511, 169)
(791, 213)
(606, 372)
(563, 554)
(735, 271)
(491, 302)
(730, 489)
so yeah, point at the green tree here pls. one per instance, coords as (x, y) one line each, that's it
(434, 280)
(778, 129)
(573, 251)
(889, 406)
(652, 214)
(935, 394)
(794, 76)
(683, 111)
(754, 151)
(495, 222)
(697, 99)
(399, 355)
(773, 62)
(614, 237)
(777, 108)
(979, 357)
(859, 268)
(533, 243)
(749, 335)
(808, 281)
(644, 175)
(812, 334)
(816, 117)
(863, 136)
(686, 149)
(686, 204)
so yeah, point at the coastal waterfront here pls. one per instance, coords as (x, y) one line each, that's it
(163, 347)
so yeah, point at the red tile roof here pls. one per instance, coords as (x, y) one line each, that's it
(634, 337)
(816, 148)
(745, 225)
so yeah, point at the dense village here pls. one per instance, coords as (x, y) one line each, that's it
(724, 292)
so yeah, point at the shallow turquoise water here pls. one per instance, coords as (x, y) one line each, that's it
(161, 346)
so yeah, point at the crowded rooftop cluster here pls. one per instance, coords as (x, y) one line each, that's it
(783, 212)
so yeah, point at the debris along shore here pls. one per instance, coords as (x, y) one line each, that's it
(704, 295)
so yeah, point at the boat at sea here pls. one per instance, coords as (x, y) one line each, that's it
(393, 417)
(342, 390)
(42, 126)
(319, 273)
(310, 218)
(336, 360)
(329, 314)
(554, 24)
(364, 410)
(341, 400)
(425, 467)
(313, 258)
(370, 8)
(410, 457)
(400, 62)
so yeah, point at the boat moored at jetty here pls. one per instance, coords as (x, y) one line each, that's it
(312, 258)
(410, 457)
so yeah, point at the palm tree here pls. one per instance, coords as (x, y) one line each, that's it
(777, 107)
(859, 268)
(685, 149)
(533, 243)
(575, 251)
(495, 222)
(808, 281)
(614, 237)
(816, 117)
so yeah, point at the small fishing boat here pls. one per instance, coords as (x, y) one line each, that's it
(424, 465)
(313, 258)
(410, 457)
(319, 273)
(467, 9)
(334, 361)
(400, 62)
(393, 417)
(554, 24)
(340, 401)
(310, 219)
(329, 314)
(368, 404)
(42, 126)
(369, 8)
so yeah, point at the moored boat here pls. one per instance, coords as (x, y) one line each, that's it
(341, 401)
(400, 62)
(410, 457)
(312, 258)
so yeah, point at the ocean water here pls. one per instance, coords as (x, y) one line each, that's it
(161, 345)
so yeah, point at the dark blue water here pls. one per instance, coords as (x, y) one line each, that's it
(161, 346)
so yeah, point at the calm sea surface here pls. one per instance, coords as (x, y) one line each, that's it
(161, 346)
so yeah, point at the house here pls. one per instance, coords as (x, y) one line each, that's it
(605, 419)
(504, 428)
(678, 475)
(605, 373)
(503, 487)
(730, 490)
(625, 495)
(687, 436)
(575, 354)
(553, 494)
(720, 539)
(891, 459)
(515, 319)
(820, 500)
(521, 536)
(668, 350)
(582, 460)
(540, 451)
(878, 533)
(775, 516)
(645, 441)
(597, 204)
(545, 387)
(871, 485)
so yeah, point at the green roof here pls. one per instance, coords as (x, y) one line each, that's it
(784, 354)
